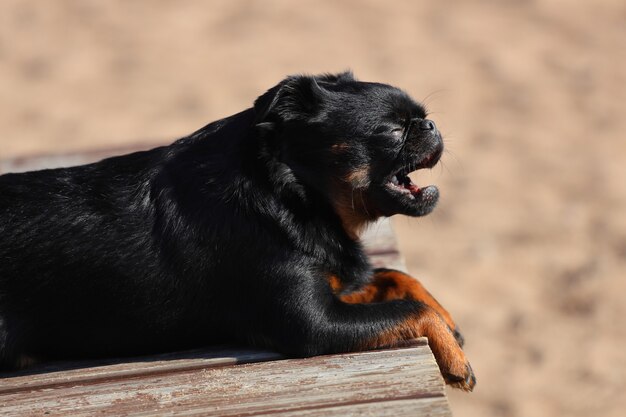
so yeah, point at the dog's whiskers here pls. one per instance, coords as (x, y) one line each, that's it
(456, 158)
(425, 101)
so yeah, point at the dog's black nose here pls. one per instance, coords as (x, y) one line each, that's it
(426, 124)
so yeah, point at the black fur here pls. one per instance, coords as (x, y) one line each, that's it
(229, 234)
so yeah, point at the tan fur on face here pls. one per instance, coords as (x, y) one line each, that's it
(350, 202)
(359, 178)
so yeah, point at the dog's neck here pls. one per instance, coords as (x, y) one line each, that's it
(354, 215)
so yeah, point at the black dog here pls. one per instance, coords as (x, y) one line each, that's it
(245, 231)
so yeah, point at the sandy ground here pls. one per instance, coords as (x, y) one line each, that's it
(528, 246)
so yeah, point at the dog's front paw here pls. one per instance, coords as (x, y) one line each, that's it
(466, 380)
(446, 347)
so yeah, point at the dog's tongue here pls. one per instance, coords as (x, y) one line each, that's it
(414, 189)
(409, 185)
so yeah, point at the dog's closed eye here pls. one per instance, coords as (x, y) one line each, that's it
(397, 133)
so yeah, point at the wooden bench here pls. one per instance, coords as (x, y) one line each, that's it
(232, 381)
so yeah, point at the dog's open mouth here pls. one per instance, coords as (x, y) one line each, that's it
(402, 183)
(406, 196)
(403, 188)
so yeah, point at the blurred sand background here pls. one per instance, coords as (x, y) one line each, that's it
(528, 246)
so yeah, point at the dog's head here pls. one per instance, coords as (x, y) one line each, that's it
(354, 142)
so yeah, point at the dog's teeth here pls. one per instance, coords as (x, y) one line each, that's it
(395, 181)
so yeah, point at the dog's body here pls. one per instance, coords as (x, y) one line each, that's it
(244, 231)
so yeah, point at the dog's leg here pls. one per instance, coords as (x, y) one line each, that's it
(432, 320)
(389, 284)
(323, 323)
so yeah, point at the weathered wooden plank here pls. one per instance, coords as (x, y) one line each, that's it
(423, 407)
(381, 245)
(400, 407)
(393, 261)
(380, 239)
(292, 385)
(66, 373)
(58, 374)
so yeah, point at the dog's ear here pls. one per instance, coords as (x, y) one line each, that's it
(295, 97)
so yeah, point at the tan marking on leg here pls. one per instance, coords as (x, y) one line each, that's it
(449, 356)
